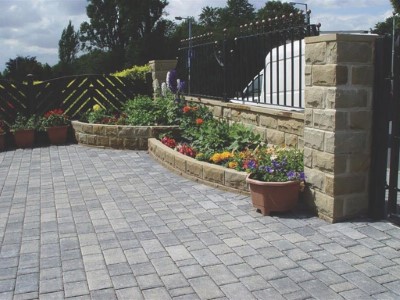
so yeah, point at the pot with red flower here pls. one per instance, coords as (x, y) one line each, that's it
(56, 123)
(276, 178)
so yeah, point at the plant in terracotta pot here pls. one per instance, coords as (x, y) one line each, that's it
(2, 135)
(56, 123)
(23, 130)
(276, 178)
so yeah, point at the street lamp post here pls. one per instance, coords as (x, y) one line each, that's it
(307, 13)
(189, 62)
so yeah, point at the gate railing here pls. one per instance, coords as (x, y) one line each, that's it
(74, 94)
(237, 65)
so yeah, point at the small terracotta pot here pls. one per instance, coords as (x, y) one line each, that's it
(273, 196)
(57, 134)
(24, 138)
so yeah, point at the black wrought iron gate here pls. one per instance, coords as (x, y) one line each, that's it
(384, 183)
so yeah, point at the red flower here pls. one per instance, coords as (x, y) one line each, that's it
(186, 109)
(169, 142)
(199, 121)
(56, 112)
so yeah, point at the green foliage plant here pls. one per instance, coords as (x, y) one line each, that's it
(135, 73)
(24, 123)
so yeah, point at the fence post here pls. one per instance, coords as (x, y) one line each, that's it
(224, 65)
(29, 95)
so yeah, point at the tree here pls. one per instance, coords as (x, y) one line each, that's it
(386, 27)
(210, 17)
(68, 46)
(116, 25)
(18, 68)
(236, 12)
(274, 9)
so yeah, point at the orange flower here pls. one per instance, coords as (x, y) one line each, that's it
(199, 121)
(186, 109)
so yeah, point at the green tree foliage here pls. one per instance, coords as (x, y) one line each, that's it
(68, 46)
(122, 27)
(273, 9)
(18, 68)
(386, 27)
(236, 12)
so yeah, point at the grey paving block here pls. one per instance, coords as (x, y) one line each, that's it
(284, 285)
(205, 288)
(192, 271)
(129, 293)
(319, 290)
(221, 274)
(73, 289)
(269, 293)
(164, 266)
(98, 279)
(149, 281)
(27, 283)
(175, 281)
(364, 283)
(236, 291)
(123, 281)
(104, 294)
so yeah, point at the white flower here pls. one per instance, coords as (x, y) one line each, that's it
(164, 89)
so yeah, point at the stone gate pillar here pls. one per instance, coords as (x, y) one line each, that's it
(338, 118)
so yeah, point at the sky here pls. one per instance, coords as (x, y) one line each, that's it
(33, 27)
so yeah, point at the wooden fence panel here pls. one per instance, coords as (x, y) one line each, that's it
(74, 94)
(13, 99)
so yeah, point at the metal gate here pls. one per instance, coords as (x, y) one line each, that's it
(384, 178)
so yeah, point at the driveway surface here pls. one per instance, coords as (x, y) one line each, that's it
(87, 223)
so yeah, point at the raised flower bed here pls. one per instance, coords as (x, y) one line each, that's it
(215, 175)
(117, 136)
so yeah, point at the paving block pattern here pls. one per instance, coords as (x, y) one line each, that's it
(78, 222)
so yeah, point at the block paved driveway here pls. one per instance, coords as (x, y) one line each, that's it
(105, 224)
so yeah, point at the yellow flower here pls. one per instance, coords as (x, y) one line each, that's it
(96, 107)
(225, 155)
(216, 158)
(232, 164)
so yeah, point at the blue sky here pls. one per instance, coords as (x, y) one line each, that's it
(33, 27)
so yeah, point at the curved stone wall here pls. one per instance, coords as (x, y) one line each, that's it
(208, 173)
(117, 136)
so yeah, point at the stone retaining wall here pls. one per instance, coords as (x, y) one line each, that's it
(117, 136)
(275, 126)
(197, 170)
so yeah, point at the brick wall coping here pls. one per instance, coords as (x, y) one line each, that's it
(298, 114)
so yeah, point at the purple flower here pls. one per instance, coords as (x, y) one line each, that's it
(302, 176)
(252, 164)
(171, 81)
(269, 170)
(291, 175)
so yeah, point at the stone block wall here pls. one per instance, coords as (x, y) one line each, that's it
(117, 136)
(338, 120)
(160, 68)
(276, 127)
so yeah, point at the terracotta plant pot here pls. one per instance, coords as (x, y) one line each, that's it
(273, 196)
(24, 138)
(2, 141)
(58, 134)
